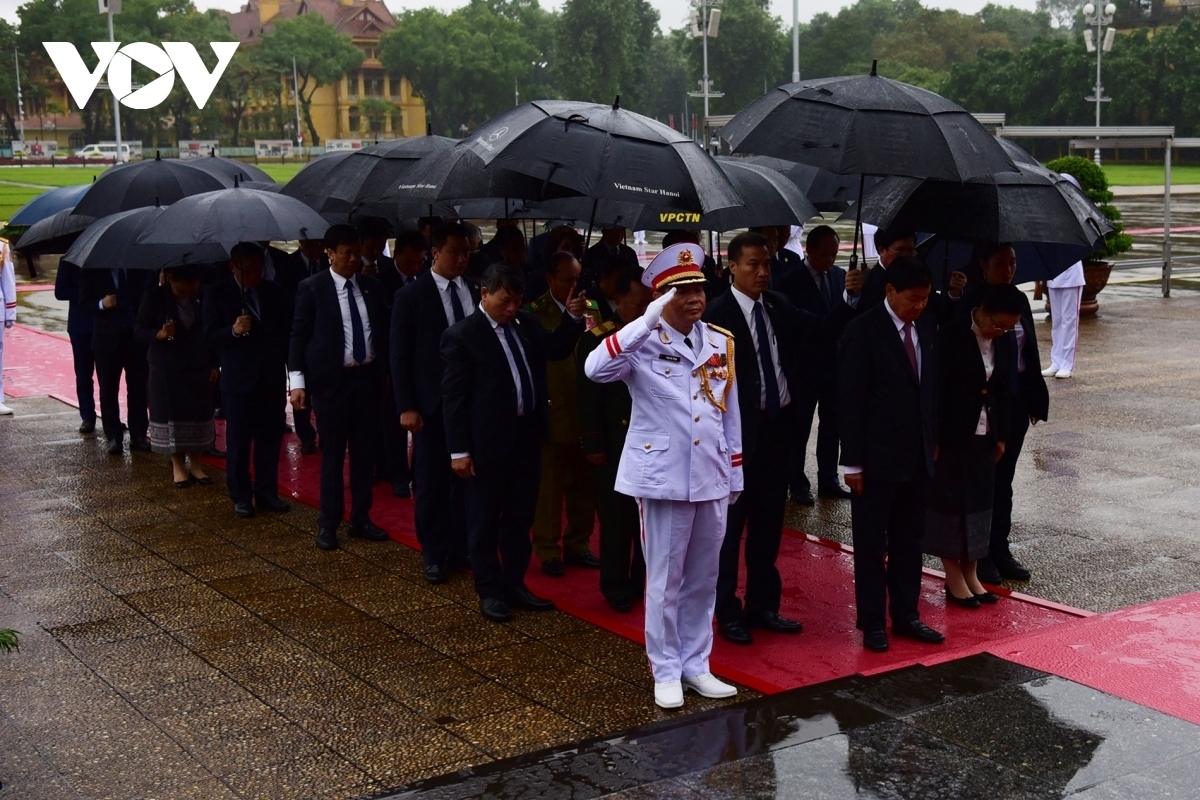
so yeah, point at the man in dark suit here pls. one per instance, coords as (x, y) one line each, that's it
(338, 345)
(894, 243)
(79, 329)
(248, 321)
(887, 387)
(817, 287)
(608, 255)
(769, 332)
(421, 312)
(997, 264)
(494, 392)
(291, 270)
(112, 297)
(604, 413)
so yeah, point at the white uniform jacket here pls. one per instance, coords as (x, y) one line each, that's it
(680, 444)
(8, 282)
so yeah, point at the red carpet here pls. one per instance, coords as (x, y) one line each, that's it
(1146, 654)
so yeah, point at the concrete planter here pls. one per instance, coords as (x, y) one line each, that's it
(1096, 275)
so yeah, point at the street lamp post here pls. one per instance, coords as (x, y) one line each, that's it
(20, 103)
(795, 41)
(704, 25)
(1099, 43)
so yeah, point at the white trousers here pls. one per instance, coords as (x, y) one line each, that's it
(682, 545)
(2, 332)
(639, 237)
(1064, 328)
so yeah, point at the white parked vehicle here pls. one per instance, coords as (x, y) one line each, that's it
(108, 151)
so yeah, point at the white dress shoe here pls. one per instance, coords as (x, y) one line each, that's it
(1063, 373)
(668, 694)
(1049, 372)
(5, 410)
(707, 686)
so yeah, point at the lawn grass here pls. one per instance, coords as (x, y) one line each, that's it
(13, 197)
(50, 176)
(1149, 174)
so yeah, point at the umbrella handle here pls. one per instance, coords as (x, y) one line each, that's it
(858, 222)
(592, 221)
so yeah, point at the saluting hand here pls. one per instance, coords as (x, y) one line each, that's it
(654, 310)
(958, 282)
(242, 325)
(463, 467)
(855, 279)
(576, 303)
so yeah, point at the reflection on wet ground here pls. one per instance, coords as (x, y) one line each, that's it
(979, 728)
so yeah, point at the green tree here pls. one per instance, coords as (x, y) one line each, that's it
(464, 64)
(8, 82)
(245, 86)
(375, 112)
(663, 90)
(735, 69)
(321, 55)
(1019, 25)
(602, 46)
(74, 21)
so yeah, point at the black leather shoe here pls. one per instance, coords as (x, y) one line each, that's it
(735, 631)
(272, 503)
(401, 490)
(835, 492)
(494, 610)
(115, 447)
(203, 480)
(245, 510)
(460, 563)
(804, 498)
(586, 559)
(327, 539)
(985, 570)
(918, 630)
(621, 605)
(140, 444)
(1010, 568)
(554, 567)
(964, 602)
(369, 531)
(308, 448)
(771, 621)
(876, 641)
(435, 574)
(88, 426)
(990, 598)
(215, 452)
(523, 598)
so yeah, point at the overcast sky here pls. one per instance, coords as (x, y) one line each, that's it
(673, 12)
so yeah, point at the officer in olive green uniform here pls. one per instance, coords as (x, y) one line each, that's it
(566, 474)
(604, 410)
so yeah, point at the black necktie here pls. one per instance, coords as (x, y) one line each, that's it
(688, 341)
(455, 304)
(764, 360)
(522, 374)
(825, 290)
(359, 343)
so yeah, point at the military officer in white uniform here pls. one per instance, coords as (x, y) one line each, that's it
(682, 462)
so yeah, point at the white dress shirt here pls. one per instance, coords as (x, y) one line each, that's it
(987, 350)
(746, 304)
(464, 296)
(1019, 330)
(339, 284)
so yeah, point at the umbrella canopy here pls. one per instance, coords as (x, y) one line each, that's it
(458, 174)
(1032, 205)
(604, 152)
(138, 184)
(229, 216)
(1018, 154)
(230, 169)
(825, 190)
(54, 234)
(48, 204)
(111, 243)
(1036, 261)
(866, 124)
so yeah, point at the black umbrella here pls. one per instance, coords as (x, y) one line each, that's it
(604, 152)
(867, 125)
(227, 168)
(111, 243)
(458, 174)
(1018, 154)
(229, 216)
(47, 204)
(1036, 261)
(1031, 205)
(146, 183)
(824, 189)
(54, 234)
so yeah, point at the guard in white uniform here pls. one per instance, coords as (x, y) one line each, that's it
(682, 462)
(8, 293)
(1066, 295)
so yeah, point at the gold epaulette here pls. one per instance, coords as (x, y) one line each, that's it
(719, 329)
(604, 328)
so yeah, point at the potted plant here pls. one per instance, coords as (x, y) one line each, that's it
(1094, 183)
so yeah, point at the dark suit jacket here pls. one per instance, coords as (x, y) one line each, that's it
(291, 269)
(257, 361)
(94, 286)
(784, 264)
(66, 287)
(886, 418)
(418, 321)
(598, 259)
(1029, 384)
(479, 396)
(793, 328)
(964, 388)
(819, 357)
(189, 350)
(941, 308)
(317, 347)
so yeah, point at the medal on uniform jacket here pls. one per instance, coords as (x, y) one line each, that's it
(717, 368)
